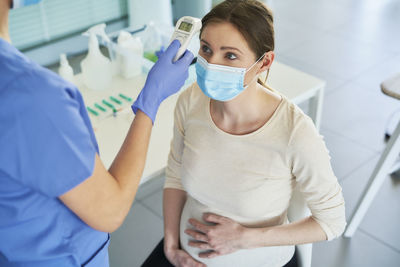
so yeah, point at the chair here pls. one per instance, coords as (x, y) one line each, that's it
(385, 166)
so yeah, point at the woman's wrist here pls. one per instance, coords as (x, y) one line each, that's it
(170, 252)
(256, 237)
(170, 249)
(170, 244)
(248, 238)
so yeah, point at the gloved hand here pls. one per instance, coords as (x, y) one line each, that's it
(165, 78)
(160, 52)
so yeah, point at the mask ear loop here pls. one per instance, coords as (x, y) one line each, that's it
(265, 80)
(266, 76)
(255, 63)
(258, 60)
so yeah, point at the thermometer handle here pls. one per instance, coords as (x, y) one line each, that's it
(180, 52)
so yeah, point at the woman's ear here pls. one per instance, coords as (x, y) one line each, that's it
(267, 61)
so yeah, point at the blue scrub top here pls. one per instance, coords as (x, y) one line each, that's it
(47, 147)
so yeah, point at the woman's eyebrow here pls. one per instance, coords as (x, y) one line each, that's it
(223, 47)
(231, 48)
(204, 41)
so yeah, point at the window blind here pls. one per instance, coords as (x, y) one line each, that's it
(53, 19)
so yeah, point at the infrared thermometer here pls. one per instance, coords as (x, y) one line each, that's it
(185, 29)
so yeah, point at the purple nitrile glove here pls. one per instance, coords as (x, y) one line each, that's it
(164, 79)
(160, 52)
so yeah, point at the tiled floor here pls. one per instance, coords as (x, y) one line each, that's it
(353, 45)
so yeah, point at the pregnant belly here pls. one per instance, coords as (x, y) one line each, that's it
(259, 257)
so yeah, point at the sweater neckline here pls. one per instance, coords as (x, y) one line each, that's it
(260, 129)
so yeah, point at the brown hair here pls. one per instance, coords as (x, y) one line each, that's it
(252, 19)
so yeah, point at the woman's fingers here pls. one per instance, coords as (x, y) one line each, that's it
(200, 245)
(209, 254)
(196, 235)
(200, 226)
(214, 218)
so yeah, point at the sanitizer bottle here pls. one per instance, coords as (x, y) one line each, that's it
(65, 69)
(96, 68)
(129, 55)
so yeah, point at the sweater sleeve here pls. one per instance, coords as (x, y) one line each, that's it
(173, 177)
(311, 167)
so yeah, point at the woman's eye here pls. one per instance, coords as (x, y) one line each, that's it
(231, 56)
(205, 49)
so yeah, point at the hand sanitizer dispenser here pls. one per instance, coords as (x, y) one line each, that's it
(96, 68)
(65, 69)
(129, 55)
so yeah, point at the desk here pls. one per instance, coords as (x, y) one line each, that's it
(111, 131)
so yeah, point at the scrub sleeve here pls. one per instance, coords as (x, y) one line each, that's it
(47, 147)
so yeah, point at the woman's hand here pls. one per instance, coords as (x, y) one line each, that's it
(224, 236)
(181, 258)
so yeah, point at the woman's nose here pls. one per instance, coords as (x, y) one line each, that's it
(213, 60)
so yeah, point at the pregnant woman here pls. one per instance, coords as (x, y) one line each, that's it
(239, 149)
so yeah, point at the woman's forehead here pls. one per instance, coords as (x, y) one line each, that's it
(221, 34)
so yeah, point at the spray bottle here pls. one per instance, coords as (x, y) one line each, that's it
(96, 68)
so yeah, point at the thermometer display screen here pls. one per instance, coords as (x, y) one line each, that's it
(185, 26)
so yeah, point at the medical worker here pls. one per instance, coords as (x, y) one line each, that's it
(57, 200)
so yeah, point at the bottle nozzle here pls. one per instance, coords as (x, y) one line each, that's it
(63, 59)
(98, 30)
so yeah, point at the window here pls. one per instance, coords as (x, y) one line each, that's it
(54, 19)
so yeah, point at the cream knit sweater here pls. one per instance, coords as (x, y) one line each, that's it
(250, 178)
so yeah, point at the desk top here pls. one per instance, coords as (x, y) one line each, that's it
(391, 86)
(110, 131)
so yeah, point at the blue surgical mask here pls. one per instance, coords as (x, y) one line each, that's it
(21, 3)
(219, 82)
